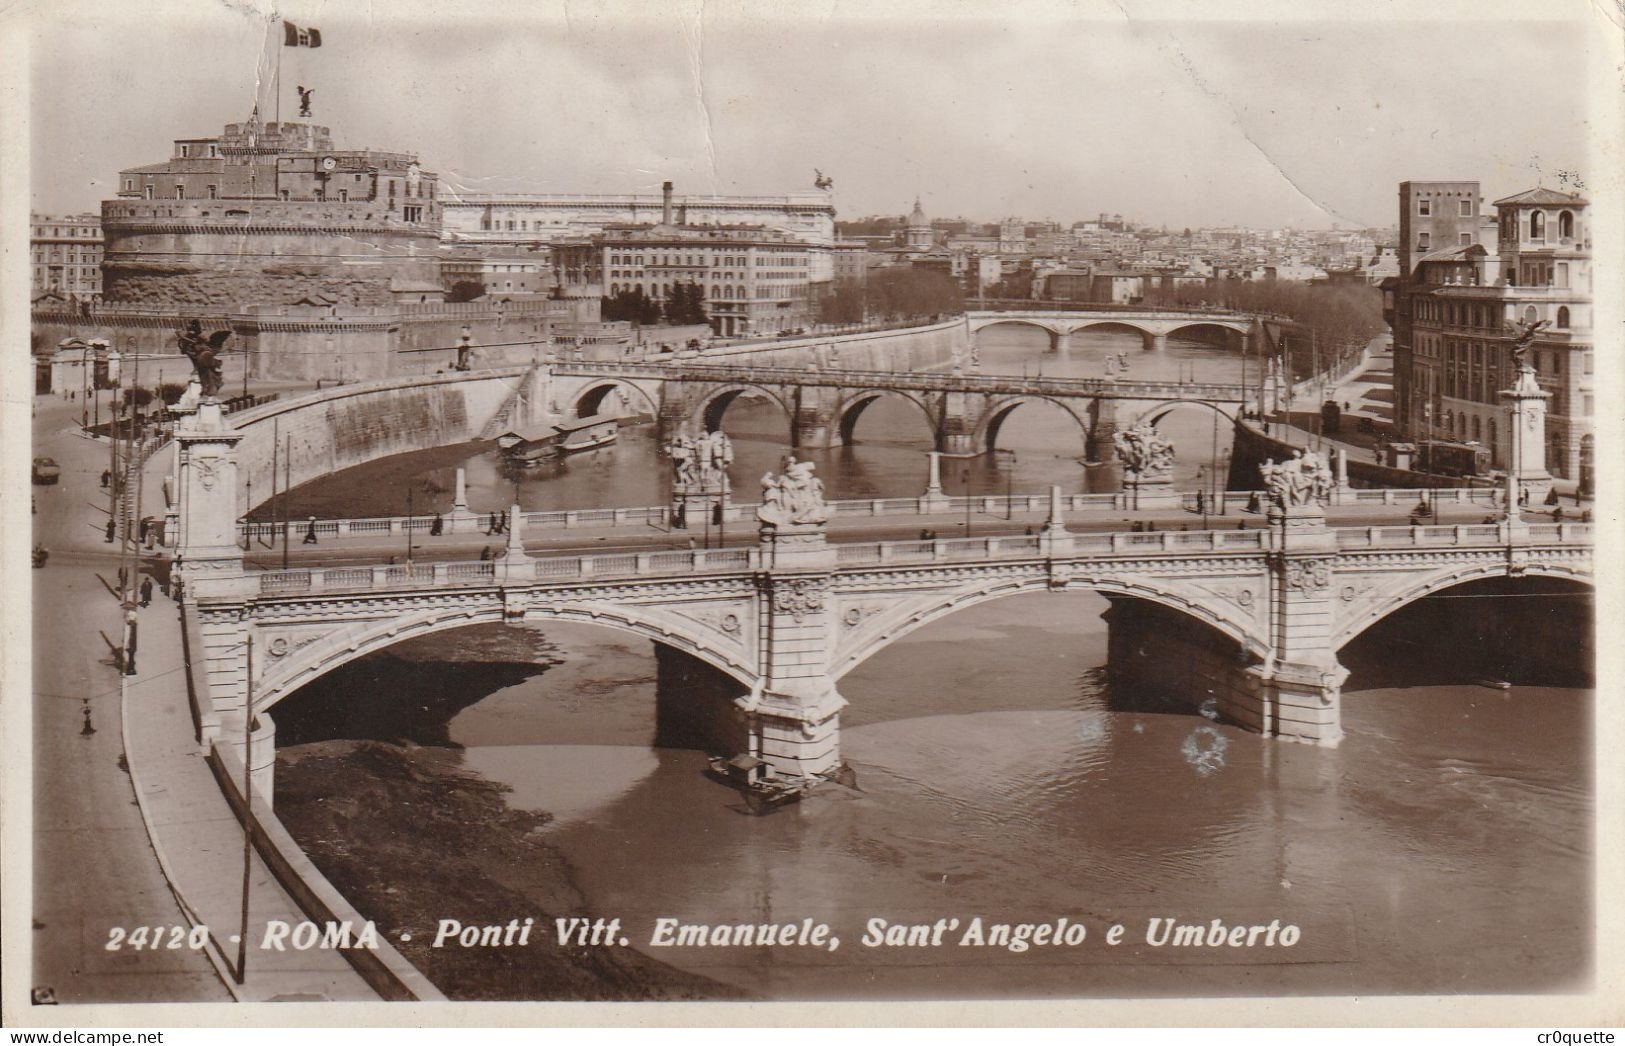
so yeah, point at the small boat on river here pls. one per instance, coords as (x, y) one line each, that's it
(765, 791)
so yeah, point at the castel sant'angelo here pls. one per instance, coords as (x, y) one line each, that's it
(272, 212)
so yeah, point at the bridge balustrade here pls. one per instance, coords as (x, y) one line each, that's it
(674, 562)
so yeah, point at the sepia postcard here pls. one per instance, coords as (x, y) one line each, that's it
(732, 513)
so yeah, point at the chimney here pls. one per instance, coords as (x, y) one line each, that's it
(665, 203)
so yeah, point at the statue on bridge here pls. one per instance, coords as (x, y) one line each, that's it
(1304, 479)
(204, 354)
(793, 497)
(701, 462)
(1147, 457)
(1523, 333)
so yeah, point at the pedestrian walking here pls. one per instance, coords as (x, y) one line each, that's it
(146, 591)
(503, 522)
(1557, 514)
(491, 527)
(310, 531)
(1241, 524)
(107, 477)
(485, 554)
(1201, 501)
(111, 527)
(437, 527)
(925, 535)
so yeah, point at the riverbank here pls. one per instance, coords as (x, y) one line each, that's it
(410, 838)
(376, 793)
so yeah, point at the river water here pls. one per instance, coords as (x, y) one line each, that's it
(1444, 847)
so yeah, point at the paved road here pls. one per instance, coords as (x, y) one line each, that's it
(93, 865)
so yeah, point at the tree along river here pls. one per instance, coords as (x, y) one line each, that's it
(1444, 847)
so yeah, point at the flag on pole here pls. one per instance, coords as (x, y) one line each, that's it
(293, 36)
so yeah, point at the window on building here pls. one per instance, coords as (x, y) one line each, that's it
(1563, 316)
(1561, 274)
(1537, 225)
(344, 196)
(1465, 208)
(1424, 240)
(1464, 239)
(1424, 208)
(1565, 225)
(1530, 315)
(214, 191)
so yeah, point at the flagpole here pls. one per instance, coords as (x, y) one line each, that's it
(280, 44)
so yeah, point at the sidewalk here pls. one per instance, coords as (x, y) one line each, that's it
(199, 841)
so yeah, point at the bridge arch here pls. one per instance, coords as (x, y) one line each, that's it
(591, 398)
(1418, 588)
(1157, 411)
(713, 403)
(1053, 330)
(1234, 334)
(849, 409)
(346, 645)
(999, 411)
(899, 621)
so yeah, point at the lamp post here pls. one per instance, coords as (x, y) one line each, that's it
(84, 396)
(1202, 491)
(964, 476)
(1008, 457)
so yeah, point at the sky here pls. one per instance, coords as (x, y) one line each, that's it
(1256, 114)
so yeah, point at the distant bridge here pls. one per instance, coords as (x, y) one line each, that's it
(964, 409)
(1154, 325)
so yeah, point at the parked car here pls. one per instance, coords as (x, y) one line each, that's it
(46, 470)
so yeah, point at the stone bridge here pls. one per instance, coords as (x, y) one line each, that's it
(964, 411)
(1241, 330)
(752, 642)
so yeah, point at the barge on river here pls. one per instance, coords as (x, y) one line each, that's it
(530, 445)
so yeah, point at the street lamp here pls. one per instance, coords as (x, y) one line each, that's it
(964, 476)
(1202, 491)
(1008, 457)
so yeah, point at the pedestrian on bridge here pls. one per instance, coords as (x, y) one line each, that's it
(146, 591)
(111, 528)
(107, 477)
(437, 527)
(485, 554)
(310, 531)
(491, 527)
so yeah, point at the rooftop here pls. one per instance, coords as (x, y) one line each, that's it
(1542, 197)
